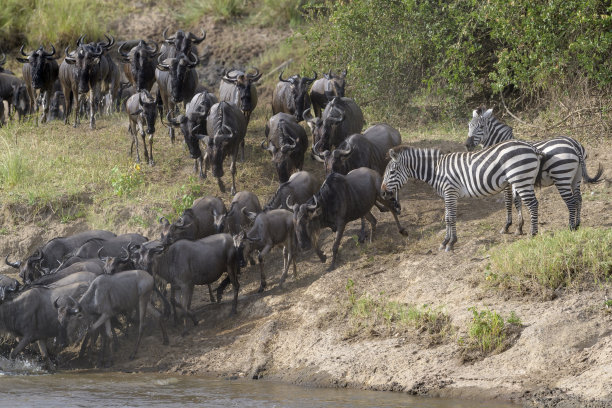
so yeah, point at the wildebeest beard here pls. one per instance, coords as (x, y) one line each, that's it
(177, 77)
(39, 68)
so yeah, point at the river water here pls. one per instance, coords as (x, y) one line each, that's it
(26, 385)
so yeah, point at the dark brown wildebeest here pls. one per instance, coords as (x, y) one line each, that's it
(291, 95)
(142, 111)
(325, 89)
(139, 63)
(287, 142)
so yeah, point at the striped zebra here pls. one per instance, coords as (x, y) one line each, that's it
(563, 164)
(461, 174)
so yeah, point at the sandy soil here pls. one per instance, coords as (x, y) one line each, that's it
(298, 333)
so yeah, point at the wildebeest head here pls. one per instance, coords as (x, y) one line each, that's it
(21, 99)
(141, 60)
(323, 130)
(7, 286)
(67, 307)
(87, 61)
(148, 110)
(144, 255)
(38, 61)
(2, 62)
(113, 264)
(183, 228)
(299, 92)
(281, 156)
(476, 127)
(177, 68)
(335, 161)
(335, 85)
(241, 244)
(182, 41)
(244, 82)
(30, 269)
(220, 220)
(306, 221)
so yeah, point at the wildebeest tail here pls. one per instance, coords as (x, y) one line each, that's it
(164, 301)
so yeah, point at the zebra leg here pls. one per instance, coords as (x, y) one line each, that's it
(528, 196)
(450, 217)
(578, 204)
(518, 204)
(508, 204)
(568, 196)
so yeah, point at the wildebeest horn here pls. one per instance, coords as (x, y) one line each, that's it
(100, 256)
(307, 114)
(167, 39)
(127, 253)
(195, 39)
(317, 156)
(254, 77)
(161, 62)
(46, 54)
(280, 77)
(74, 303)
(263, 144)
(55, 303)
(3, 58)
(162, 219)
(15, 265)
(228, 77)
(340, 116)
(23, 53)
(345, 152)
(110, 42)
(69, 57)
(289, 205)
(195, 62)
(180, 222)
(37, 256)
(80, 40)
(313, 206)
(311, 79)
(121, 52)
(153, 51)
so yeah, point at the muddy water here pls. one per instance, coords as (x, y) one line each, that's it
(91, 389)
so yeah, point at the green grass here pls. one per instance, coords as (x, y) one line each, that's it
(380, 315)
(553, 260)
(194, 10)
(489, 332)
(13, 167)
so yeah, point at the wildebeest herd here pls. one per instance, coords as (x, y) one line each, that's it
(91, 282)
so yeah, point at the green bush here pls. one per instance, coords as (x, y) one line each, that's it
(488, 331)
(125, 182)
(550, 261)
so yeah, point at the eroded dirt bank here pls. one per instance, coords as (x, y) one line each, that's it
(303, 333)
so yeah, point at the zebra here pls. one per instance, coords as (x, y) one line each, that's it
(466, 174)
(563, 165)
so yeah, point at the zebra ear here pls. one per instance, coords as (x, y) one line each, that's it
(392, 154)
(475, 113)
(488, 113)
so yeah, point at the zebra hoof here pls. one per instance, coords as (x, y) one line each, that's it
(518, 232)
(442, 247)
(449, 248)
(503, 231)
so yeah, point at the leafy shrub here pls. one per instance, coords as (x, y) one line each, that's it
(550, 261)
(124, 183)
(489, 332)
(188, 194)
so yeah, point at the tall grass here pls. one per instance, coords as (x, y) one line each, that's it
(489, 332)
(13, 167)
(194, 10)
(275, 13)
(551, 261)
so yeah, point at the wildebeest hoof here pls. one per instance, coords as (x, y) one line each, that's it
(331, 268)
(151, 163)
(323, 258)
(132, 356)
(261, 289)
(165, 342)
(403, 232)
(233, 191)
(203, 176)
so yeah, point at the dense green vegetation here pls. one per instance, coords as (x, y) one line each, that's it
(463, 50)
(489, 332)
(554, 260)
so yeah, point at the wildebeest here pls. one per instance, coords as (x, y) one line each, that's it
(341, 118)
(57, 106)
(21, 101)
(300, 186)
(40, 71)
(193, 125)
(291, 95)
(226, 128)
(177, 80)
(323, 90)
(366, 150)
(109, 247)
(142, 111)
(287, 142)
(50, 255)
(195, 222)
(271, 228)
(234, 220)
(2, 69)
(95, 266)
(109, 295)
(239, 88)
(140, 63)
(186, 263)
(340, 200)
(86, 70)
(31, 316)
(7, 83)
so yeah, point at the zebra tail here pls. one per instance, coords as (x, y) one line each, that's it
(585, 176)
(541, 156)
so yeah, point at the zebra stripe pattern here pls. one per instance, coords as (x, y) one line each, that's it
(563, 164)
(461, 174)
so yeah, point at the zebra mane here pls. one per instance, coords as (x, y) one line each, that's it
(427, 152)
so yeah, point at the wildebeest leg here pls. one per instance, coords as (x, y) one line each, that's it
(339, 233)
(199, 162)
(77, 108)
(388, 206)
(143, 301)
(25, 340)
(93, 107)
(260, 259)
(210, 294)
(186, 294)
(131, 132)
(173, 302)
(144, 145)
(362, 231)
(233, 170)
(42, 346)
(372, 220)
(107, 339)
(154, 312)
(232, 273)
(151, 161)
(84, 344)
